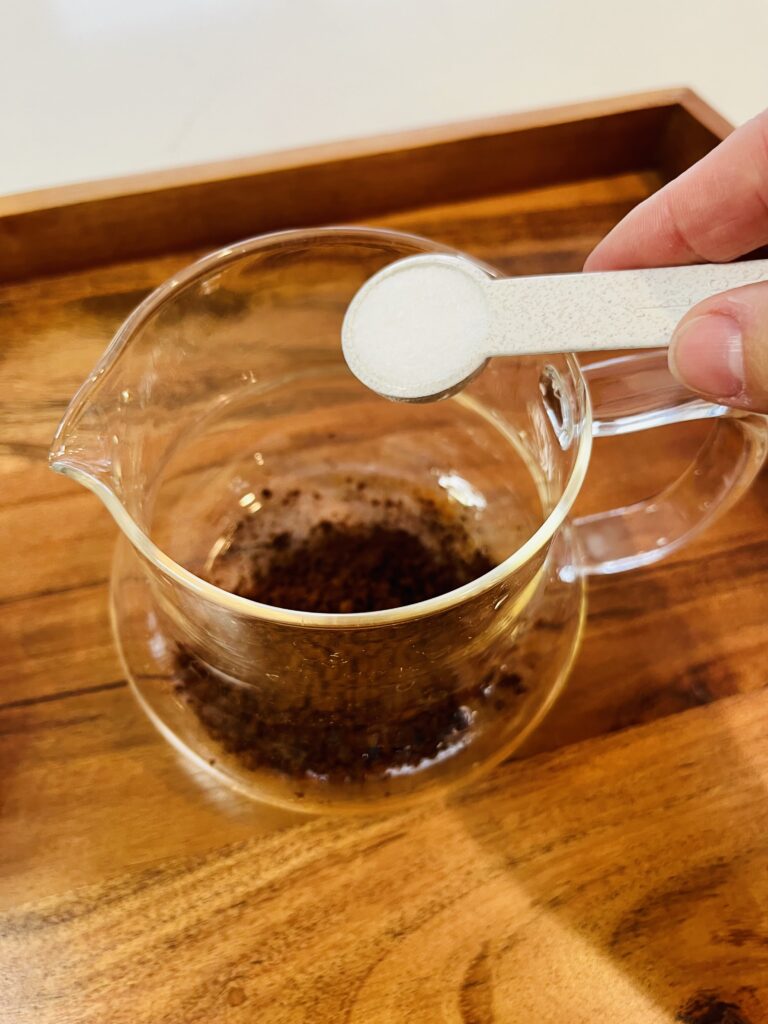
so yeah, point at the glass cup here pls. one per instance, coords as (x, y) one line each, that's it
(222, 422)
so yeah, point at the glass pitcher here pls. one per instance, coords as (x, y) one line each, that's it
(222, 419)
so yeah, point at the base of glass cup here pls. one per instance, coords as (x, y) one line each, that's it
(546, 653)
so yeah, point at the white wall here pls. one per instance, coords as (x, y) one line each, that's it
(93, 88)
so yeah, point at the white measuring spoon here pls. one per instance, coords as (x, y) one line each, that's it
(423, 326)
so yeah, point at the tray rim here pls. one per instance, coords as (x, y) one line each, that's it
(78, 193)
(76, 226)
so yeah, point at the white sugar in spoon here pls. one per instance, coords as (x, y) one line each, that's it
(423, 326)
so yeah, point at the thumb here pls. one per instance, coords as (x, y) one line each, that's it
(720, 348)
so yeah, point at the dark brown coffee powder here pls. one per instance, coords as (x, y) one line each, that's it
(389, 556)
(364, 568)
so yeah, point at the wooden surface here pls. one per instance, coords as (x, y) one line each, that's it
(617, 871)
(60, 229)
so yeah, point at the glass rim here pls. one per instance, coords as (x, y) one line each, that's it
(244, 606)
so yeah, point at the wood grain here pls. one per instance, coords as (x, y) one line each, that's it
(75, 226)
(615, 871)
(618, 881)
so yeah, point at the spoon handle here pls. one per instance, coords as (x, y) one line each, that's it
(613, 310)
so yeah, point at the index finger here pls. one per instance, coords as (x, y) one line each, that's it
(715, 211)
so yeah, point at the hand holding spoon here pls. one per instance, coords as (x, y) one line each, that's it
(423, 326)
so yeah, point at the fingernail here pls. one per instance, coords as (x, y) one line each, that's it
(706, 353)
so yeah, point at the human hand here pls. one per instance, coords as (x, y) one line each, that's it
(714, 212)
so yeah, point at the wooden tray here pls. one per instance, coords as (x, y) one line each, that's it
(617, 872)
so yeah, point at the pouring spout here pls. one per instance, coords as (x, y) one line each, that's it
(81, 463)
(85, 445)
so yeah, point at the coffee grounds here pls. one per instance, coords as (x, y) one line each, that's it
(395, 558)
(347, 745)
(363, 568)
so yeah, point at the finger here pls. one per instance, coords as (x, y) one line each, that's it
(715, 211)
(720, 348)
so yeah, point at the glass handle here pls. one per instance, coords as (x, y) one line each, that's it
(636, 393)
